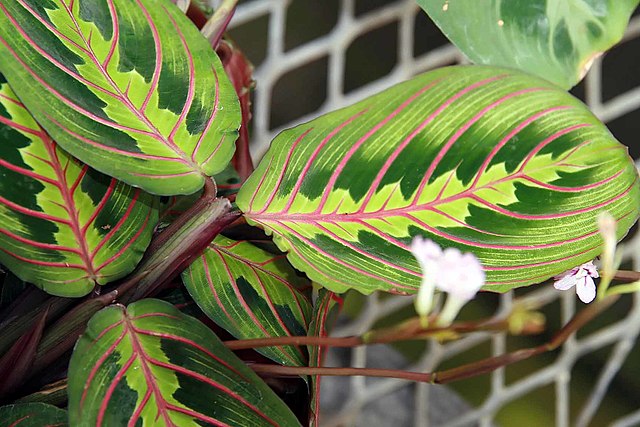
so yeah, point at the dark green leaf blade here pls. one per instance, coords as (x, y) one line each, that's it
(553, 39)
(32, 415)
(150, 364)
(129, 87)
(251, 293)
(489, 160)
(63, 226)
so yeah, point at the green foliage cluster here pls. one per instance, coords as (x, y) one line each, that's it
(122, 198)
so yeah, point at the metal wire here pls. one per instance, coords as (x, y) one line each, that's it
(623, 334)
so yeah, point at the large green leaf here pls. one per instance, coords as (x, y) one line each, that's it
(492, 161)
(150, 365)
(554, 39)
(63, 226)
(130, 87)
(32, 415)
(251, 293)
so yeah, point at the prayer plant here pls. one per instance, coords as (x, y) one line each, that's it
(141, 253)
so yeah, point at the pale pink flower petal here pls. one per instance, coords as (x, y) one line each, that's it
(425, 251)
(591, 269)
(565, 283)
(582, 278)
(459, 274)
(586, 289)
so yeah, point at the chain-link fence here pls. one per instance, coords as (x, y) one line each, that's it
(349, 49)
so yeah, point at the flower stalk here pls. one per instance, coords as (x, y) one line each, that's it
(455, 374)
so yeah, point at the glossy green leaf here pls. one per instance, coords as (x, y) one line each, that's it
(32, 415)
(251, 293)
(63, 226)
(553, 39)
(150, 365)
(129, 87)
(325, 311)
(491, 161)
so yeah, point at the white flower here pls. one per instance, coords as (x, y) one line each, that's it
(582, 278)
(427, 253)
(460, 275)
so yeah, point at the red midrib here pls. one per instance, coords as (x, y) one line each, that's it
(161, 403)
(70, 207)
(124, 98)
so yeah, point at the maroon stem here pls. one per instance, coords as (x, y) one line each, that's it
(294, 340)
(462, 372)
(242, 161)
(408, 331)
(627, 276)
(218, 23)
(295, 371)
(198, 227)
(207, 197)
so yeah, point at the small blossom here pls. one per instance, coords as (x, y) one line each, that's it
(582, 278)
(460, 275)
(427, 253)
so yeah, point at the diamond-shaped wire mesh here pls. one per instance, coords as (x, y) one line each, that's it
(261, 28)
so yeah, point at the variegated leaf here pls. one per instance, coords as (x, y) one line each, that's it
(150, 365)
(63, 226)
(32, 415)
(251, 293)
(130, 87)
(553, 39)
(488, 160)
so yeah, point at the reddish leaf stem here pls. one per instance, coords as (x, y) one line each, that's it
(455, 374)
(218, 23)
(340, 372)
(407, 331)
(627, 276)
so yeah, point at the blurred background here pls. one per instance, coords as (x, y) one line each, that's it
(313, 56)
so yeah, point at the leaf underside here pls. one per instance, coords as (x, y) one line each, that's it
(63, 226)
(129, 87)
(252, 294)
(553, 39)
(151, 365)
(489, 160)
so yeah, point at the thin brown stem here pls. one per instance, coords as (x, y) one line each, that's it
(627, 276)
(294, 371)
(410, 330)
(455, 374)
(352, 341)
